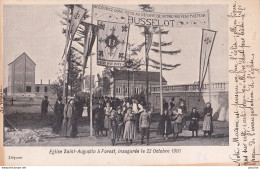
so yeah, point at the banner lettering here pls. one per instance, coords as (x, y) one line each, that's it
(178, 20)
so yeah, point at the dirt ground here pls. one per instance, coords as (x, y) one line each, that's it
(42, 128)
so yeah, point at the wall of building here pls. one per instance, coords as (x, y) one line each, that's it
(21, 75)
(21, 79)
(41, 90)
(135, 87)
(219, 100)
(10, 80)
(38, 90)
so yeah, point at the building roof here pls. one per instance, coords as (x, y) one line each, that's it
(138, 76)
(23, 54)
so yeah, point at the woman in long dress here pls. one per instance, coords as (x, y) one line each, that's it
(165, 127)
(207, 123)
(183, 108)
(177, 118)
(129, 119)
(69, 123)
(108, 110)
(194, 121)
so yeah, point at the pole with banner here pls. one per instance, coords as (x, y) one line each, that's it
(90, 90)
(146, 66)
(161, 86)
(109, 26)
(65, 60)
(207, 41)
(209, 65)
(148, 43)
(76, 17)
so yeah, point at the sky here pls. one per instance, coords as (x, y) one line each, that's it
(36, 30)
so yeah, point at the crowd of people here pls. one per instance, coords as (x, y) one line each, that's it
(174, 119)
(124, 119)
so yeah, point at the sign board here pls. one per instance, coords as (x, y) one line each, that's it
(177, 20)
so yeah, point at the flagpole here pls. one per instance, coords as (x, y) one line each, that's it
(69, 65)
(147, 64)
(209, 67)
(209, 82)
(128, 83)
(161, 86)
(90, 80)
(84, 66)
(65, 60)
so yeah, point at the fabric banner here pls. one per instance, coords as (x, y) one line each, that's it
(178, 20)
(77, 15)
(207, 41)
(148, 41)
(90, 36)
(112, 44)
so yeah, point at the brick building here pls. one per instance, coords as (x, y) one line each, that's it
(21, 78)
(137, 82)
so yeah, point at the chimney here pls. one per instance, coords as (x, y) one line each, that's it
(49, 81)
(41, 81)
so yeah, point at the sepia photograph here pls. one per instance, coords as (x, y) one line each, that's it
(115, 75)
(132, 83)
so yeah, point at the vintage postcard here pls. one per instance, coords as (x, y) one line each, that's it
(130, 83)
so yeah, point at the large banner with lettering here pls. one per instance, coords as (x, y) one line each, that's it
(112, 43)
(178, 20)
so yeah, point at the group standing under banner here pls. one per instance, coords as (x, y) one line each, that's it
(112, 33)
(125, 119)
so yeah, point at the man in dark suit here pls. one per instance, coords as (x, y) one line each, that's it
(44, 106)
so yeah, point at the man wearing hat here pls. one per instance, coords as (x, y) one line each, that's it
(99, 116)
(44, 106)
(144, 124)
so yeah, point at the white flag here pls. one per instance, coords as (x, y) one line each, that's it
(207, 41)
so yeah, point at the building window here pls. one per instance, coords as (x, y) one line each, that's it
(127, 90)
(37, 89)
(28, 89)
(118, 89)
(45, 89)
(136, 90)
